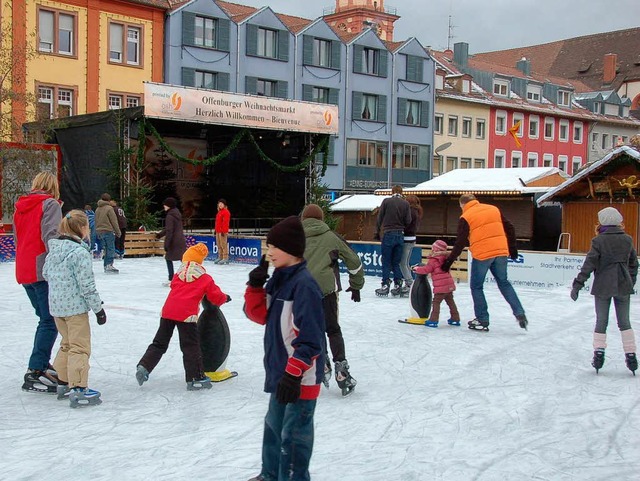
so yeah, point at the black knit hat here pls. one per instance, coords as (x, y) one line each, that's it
(288, 236)
(169, 202)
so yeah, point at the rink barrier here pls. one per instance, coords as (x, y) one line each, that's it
(143, 244)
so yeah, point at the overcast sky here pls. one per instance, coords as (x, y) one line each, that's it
(488, 24)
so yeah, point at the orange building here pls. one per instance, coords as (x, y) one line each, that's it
(353, 16)
(80, 56)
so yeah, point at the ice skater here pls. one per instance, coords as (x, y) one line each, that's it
(614, 264)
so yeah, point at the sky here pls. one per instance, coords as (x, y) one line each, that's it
(440, 404)
(488, 24)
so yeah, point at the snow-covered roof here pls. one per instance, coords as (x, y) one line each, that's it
(359, 202)
(625, 149)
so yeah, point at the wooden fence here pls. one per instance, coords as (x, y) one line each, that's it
(137, 244)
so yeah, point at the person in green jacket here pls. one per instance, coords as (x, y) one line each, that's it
(323, 249)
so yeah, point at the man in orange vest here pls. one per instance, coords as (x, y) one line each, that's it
(491, 239)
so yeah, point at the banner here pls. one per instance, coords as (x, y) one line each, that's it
(189, 104)
(247, 251)
(371, 258)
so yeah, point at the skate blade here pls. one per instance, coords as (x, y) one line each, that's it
(480, 328)
(382, 295)
(347, 390)
(76, 403)
(199, 386)
(40, 389)
(454, 323)
(431, 324)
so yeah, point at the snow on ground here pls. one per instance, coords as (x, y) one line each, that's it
(431, 404)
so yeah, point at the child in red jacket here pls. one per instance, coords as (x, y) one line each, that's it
(190, 284)
(443, 284)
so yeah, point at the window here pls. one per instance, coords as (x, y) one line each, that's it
(205, 32)
(534, 93)
(465, 163)
(371, 154)
(267, 88)
(413, 115)
(478, 163)
(614, 141)
(564, 98)
(605, 140)
(453, 125)
(205, 80)
(562, 162)
(125, 44)
(501, 88)
(498, 159)
(576, 163)
(480, 128)
(624, 139)
(519, 118)
(437, 127)
(577, 132)
(56, 32)
(370, 58)
(594, 140)
(55, 102)
(437, 166)
(597, 107)
(133, 101)
(516, 159)
(466, 126)
(547, 160)
(563, 131)
(117, 100)
(410, 157)
(501, 122)
(321, 52)
(452, 164)
(267, 43)
(549, 125)
(532, 159)
(369, 107)
(320, 95)
(534, 126)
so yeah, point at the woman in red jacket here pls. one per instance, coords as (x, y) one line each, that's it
(35, 221)
(223, 217)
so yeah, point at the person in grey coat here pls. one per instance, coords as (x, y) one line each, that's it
(614, 264)
(175, 244)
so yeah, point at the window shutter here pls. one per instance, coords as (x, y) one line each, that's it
(222, 81)
(331, 152)
(357, 58)
(382, 63)
(356, 106)
(223, 35)
(188, 28)
(334, 96)
(336, 54)
(250, 85)
(425, 113)
(307, 50)
(282, 89)
(307, 92)
(419, 69)
(382, 109)
(252, 39)
(411, 67)
(402, 110)
(283, 45)
(188, 77)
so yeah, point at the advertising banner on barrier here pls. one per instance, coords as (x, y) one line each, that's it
(371, 257)
(247, 251)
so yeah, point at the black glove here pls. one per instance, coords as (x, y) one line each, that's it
(101, 316)
(259, 275)
(513, 254)
(228, 298)
(376, 236)
(446, 265)
(574, 293)
(288, 389)
(355, 294)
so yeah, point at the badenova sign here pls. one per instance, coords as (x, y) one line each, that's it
(165, 101)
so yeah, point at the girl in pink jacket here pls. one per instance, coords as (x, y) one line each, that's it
(443, 284)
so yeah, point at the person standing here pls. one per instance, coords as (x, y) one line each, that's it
(410, 241)
(394, 216)
(323, 249)
(122, 224)
(491, 239)
(175, 244)
(107, 230)
(35, 221)
(290, 308)
(223, 218)
(614, 264)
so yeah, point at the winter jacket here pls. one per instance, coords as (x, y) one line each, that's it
(223, 217)
(35, 221)
(69, 271)
(106, 220)
(91, 215)
(122, 218)
(394, 214)
(290, 305)
(190, 284)
(442, 281)
(323, 249)
(411, 230)
(174, 241)
(614, 264)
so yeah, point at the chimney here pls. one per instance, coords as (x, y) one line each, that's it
(524, 66)
(610, 67)
(461, 53)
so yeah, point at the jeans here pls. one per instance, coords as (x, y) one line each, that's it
(622, 305)
(170, 269)
(392, 244)
(498, 267)
(46, 332)
(287, 443)
(108, 239)
(407, 249)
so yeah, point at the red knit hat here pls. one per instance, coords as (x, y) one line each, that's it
(439, 246)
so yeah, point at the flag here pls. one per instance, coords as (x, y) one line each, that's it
(514, 132)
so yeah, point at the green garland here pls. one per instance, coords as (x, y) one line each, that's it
(322, 147)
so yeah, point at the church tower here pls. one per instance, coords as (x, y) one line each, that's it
(353, 16)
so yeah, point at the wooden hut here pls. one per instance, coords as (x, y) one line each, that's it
(612, 181)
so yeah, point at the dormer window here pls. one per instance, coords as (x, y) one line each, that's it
(534, 93)
(501, 88)
(564, 98)
(597, 107)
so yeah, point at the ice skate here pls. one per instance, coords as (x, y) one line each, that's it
(631, 361)
(383, 291)
(40, 382)
(399, 289)
(345, 382)
(111, 270)
(142, 375)
(522, 321)
(83, 396)
(199, 384)
(478, 325)
(327, 372)
(453, 322)
(598, 359)
(430, 323)
(63, 391)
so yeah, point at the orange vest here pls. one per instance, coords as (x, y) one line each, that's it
(486, 232)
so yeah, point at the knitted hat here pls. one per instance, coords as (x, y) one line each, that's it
(610, 216)
(288, 236)
(196, 253)
(169, 202)
(312, 211)
(439, 246)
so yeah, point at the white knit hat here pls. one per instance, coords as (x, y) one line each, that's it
(610, 216)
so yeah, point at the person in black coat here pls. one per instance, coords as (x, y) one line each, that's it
(175, 244)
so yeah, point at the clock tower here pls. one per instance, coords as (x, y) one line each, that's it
(353, 16)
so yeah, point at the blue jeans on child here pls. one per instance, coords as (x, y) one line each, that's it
(392, 244)
(287, 442)
(108, 241)
(46, 332)
(498, 267)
